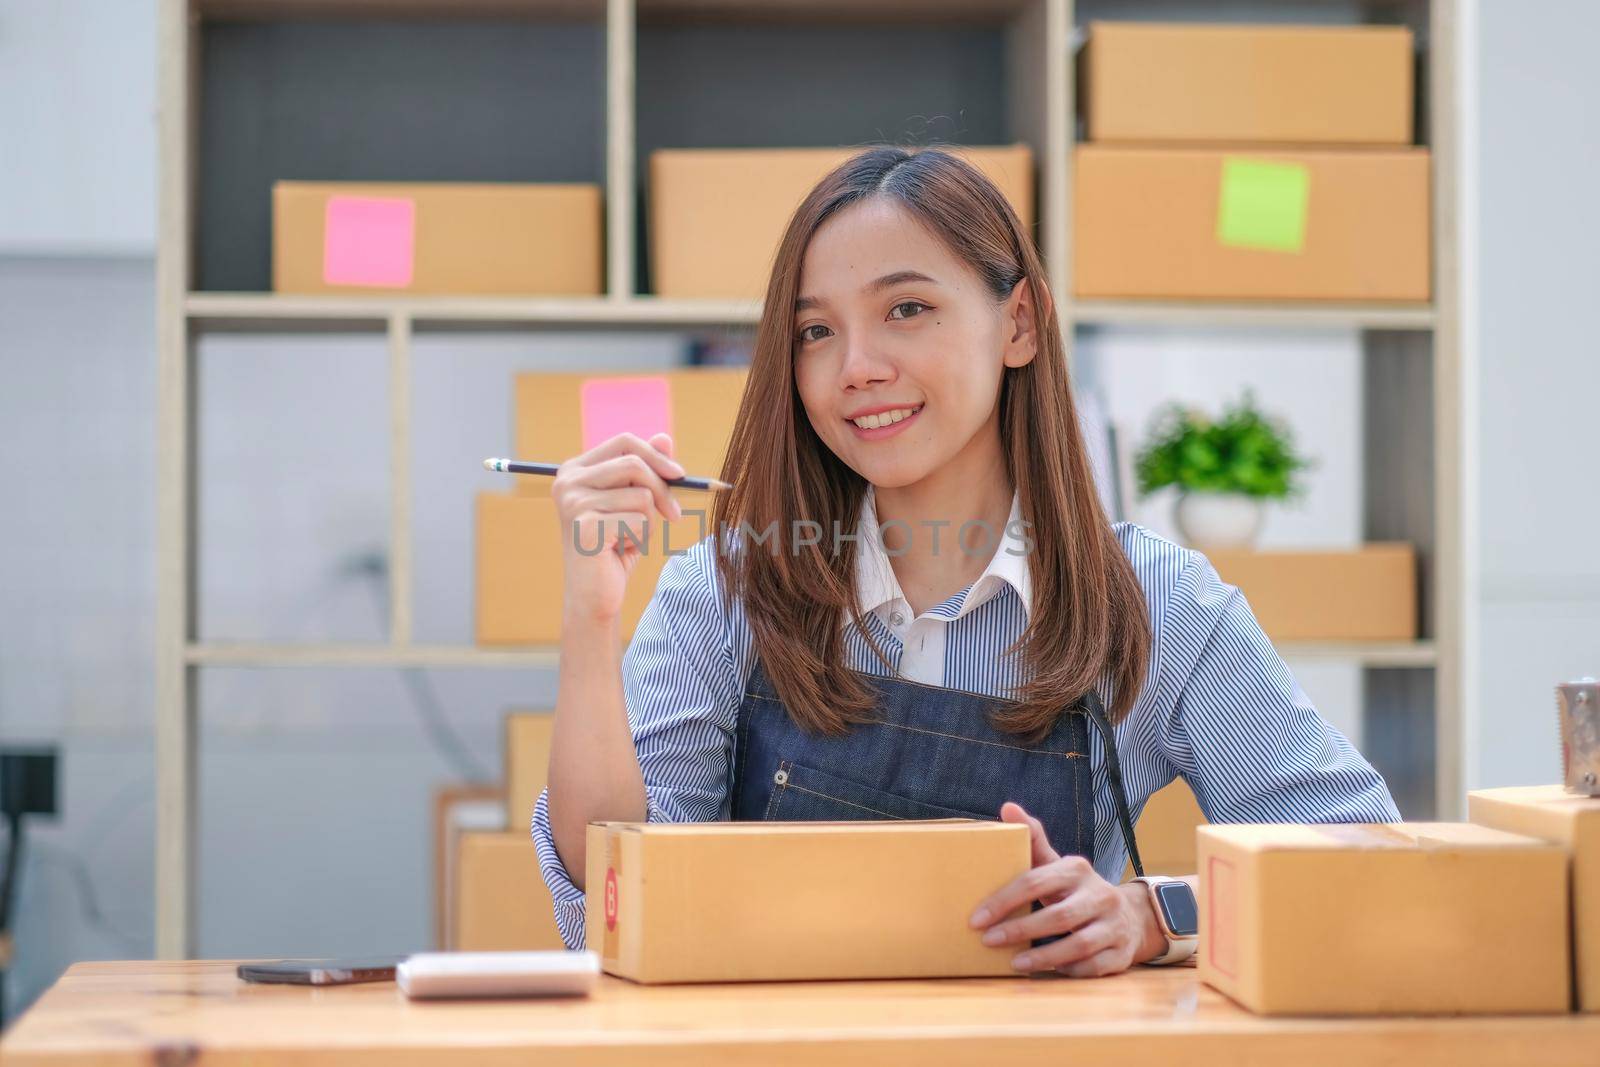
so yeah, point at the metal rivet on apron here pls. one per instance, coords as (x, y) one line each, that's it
(898, 619)
(782, 777)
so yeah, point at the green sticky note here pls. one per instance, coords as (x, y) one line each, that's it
(1263, 205)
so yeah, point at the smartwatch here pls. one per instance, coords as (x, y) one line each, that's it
(1176, 913)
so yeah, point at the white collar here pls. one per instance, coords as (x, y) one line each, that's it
(878, 590)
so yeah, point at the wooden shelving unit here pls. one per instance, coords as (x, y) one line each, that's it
(1034, 39)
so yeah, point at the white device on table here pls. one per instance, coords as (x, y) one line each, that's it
(498, 974)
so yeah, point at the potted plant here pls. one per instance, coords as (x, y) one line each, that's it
(1225, 470)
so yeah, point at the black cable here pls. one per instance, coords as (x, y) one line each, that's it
(89, 901)
(429, 708)
(13, 860)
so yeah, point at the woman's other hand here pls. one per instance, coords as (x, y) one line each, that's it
(1110, 927)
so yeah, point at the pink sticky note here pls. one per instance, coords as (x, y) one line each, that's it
(611, 406)
(369, 240)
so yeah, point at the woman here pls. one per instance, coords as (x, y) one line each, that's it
(913, 604)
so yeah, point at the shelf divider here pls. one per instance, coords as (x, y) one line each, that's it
(400, 556)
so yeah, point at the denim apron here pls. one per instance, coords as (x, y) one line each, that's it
(925, 753)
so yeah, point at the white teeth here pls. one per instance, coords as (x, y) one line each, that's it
(886, 418)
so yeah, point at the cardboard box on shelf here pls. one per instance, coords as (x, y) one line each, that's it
(1156, 81)
(1364, 594)
(527, 762)
(560, 415)
(1383, 919)
(436, 238)
(1251, 223)
(502, 903)
(1571, 821)
(518, 570)
(759, 901)
(717, 214)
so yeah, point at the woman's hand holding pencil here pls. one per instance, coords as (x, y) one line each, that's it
(605, 500)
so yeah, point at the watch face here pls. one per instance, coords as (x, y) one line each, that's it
(1177, 902)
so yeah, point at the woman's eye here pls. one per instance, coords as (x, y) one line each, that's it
(917, 305)
(807, 335)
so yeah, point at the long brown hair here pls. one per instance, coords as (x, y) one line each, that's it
(1087, 622)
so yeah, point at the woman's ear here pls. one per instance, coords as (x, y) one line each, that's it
(1019, 319)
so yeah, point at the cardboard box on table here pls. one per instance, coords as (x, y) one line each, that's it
(1155, 81)
(1375, 919)
(1571, 821)
(717, 214)
(558, 415)
(1251, 223)
(1365, 594)
(758, 901)
(436, 238)
(519, 576)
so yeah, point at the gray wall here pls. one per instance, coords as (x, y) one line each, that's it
(1538, 427)
(315, 785)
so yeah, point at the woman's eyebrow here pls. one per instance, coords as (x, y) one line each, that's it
(898, 277)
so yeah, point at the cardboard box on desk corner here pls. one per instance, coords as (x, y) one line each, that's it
(793, 901)
(518, 570)
(701, 404)
(501, 901)
(717, 214)
(1571, 821)
(435, 238)
(1364, 594)
(1383, 919)
(1251, 223)
(1154, 81)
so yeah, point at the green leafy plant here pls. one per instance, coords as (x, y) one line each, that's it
(1242, 452)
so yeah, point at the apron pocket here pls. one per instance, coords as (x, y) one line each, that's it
(805, 794)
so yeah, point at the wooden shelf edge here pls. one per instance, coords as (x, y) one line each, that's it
(1265, 314)
(249, 654)
(267, 311)
(845, 12)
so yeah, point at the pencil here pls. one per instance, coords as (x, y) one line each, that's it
(512, 466)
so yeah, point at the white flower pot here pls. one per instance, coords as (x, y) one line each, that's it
(1219, 520)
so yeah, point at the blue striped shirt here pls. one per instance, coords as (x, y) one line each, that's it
(1218, 707)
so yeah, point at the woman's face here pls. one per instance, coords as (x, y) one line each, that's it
(899, 347)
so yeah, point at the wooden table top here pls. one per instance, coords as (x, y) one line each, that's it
(174, 1013)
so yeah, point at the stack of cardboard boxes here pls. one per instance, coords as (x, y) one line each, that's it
(1250, 163)
(1261, 163)
(559, 416)
(496, 898)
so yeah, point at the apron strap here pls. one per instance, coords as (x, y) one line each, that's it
(1097, 715)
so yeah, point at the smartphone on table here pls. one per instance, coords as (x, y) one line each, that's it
(322, 972)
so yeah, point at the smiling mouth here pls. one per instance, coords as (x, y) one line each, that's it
(884, 418)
